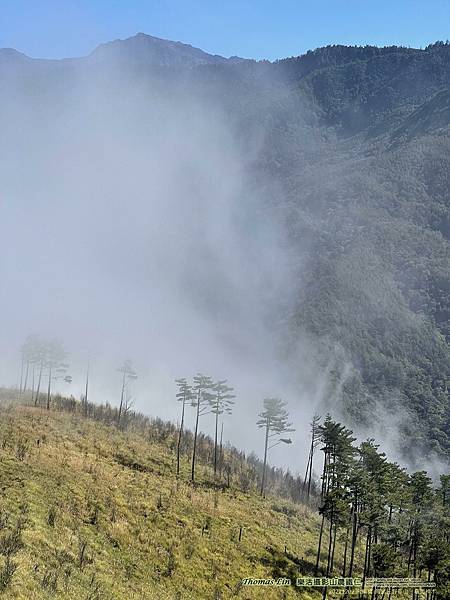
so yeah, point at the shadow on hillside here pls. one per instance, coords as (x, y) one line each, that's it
(286, 564)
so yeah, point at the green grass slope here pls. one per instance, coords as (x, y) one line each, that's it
(90, 512)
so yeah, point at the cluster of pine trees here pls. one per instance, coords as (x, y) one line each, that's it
(401, 520)
(206, 397)
(216, 397)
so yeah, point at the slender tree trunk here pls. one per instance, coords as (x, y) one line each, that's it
(25, 383)
(367, 556)
(86, 391)
(215, 441)
(49, 387)
(411, 542)
(36, 398)
(322, 495)
(311, 466)
(121, 399)
(305, 481)
(354, 538)
(263, 479)
(344, 566)
(415, 559)
(330, 545)
(180, 433)
(32, 383)
(324, 475)
(319, 546)
(195, 439)
(334, 547)
(221, 452)
(21, 377)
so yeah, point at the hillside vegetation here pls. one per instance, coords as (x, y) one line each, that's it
(92, 508)
(91, 512)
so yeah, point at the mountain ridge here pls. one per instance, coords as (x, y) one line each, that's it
(163, 50)
(316, 55)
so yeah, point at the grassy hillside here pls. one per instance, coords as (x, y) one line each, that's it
(93, 510)
(90, 512)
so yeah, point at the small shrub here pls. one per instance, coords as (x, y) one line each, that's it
(189, 550)
(21, 450)
(94, 510)
(11, 542)
(4, 519)
(50, 581)
(51, 516)
(63, 557)
(289, 511)
(206, 529)
(67, 574)
(130, 569)
(82, 553)
(171, 563)
(7, 573)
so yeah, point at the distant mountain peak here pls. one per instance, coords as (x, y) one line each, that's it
(12, 54)
(147, 49)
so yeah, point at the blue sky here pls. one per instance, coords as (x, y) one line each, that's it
(253, 29)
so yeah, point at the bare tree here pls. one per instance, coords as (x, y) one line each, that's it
(274, 419)
(128, 374)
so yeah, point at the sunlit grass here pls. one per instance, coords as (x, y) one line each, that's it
(95, 527)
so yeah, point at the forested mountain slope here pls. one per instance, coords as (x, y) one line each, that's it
(357, 145)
